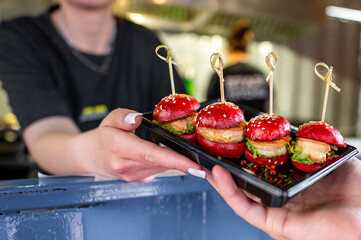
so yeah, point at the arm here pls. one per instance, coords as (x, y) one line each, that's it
(110, 150)
(330, 209)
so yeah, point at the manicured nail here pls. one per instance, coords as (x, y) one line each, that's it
(197, 173)
(130, 118)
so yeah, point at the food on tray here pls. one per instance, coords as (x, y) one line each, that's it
(316, 144)
(268, 138)
(176, 113)
(268, 134)
(220, 128)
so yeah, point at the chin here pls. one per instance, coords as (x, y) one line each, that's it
(89, 4)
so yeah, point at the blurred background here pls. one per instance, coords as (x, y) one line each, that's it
(300, 32)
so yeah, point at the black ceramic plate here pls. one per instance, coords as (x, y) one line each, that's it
(273, 186)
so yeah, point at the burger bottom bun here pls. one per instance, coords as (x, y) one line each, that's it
(304, 167)
(309, 168)
(225, 150)
(191, 137)
(277, 161)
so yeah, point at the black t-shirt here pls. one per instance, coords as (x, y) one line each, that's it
(43, 77)
(243, 84)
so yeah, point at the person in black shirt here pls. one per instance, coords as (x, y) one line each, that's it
(243, 83)
(72, 74)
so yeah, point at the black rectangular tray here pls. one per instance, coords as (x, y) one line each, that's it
(273, 188)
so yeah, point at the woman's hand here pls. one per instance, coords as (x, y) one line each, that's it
(110, 150)
(124, 155)
(330, 209)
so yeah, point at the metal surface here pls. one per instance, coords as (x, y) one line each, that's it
(181, 207)
(271, 20)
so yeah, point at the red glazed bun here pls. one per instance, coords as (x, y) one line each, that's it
(220, 128)
(321, 131)
(266, 128)
(220, 115)
(276, 161)
(225, 150)
(175, 106)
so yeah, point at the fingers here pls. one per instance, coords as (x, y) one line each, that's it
(154, 155)
(251, 211)
(124, 145)
(124, 119)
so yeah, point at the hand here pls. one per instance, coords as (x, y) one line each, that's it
(330, 209)
(118, 153)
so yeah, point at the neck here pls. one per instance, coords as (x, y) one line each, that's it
(235, 57)
(88, 30)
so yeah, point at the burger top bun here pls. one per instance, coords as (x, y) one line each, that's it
(220, 116)
(175, 106)
(321, 131)
(267, 128)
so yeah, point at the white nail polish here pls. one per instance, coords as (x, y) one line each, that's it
(130, 118)
(197, 173)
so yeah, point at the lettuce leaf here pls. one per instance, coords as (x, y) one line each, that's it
(190, 128)
(299, 156)
(256, 153)
(253, 149)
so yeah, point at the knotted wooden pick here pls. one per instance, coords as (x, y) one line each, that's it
(271, 60)
(169, 60)
(219, 71)
(328, 80)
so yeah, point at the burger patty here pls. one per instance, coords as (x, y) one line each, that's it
(228, 135)
(315, 150)
(272, 148)
(181, 124)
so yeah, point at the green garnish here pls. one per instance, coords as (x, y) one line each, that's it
(190, 128)
(299, 156)
(334, 148)
(255, 151)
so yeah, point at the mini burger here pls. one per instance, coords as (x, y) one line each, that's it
(268, 138)
(176, 113)
(316, 144)
(220, 128)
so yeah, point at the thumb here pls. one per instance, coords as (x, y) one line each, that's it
(122, 118)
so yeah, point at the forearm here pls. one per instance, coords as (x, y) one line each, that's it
(58, 147)
(59, 153)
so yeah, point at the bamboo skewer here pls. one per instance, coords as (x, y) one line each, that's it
(328, 80)
(169, 60)
(219, 71)
(271, 60)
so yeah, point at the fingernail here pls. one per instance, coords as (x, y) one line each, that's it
(130, 118)
(197, 173)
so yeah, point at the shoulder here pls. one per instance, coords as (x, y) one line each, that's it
(24, 25)
(24, 32)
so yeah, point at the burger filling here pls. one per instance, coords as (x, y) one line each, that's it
(180, 126)
(310, 151)
(269, 149)
(229, 135)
